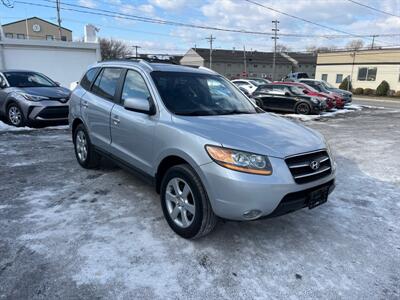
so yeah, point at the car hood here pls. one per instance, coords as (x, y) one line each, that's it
(262, 133)
(57, 92)
(341, 92)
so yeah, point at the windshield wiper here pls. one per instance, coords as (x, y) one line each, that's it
(235, 112)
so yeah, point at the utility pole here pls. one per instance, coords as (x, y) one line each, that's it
(350, 81)
(210, 40)
(275, 37)
(244, 61)
(136, 48)
(373, 41)
(58, 4)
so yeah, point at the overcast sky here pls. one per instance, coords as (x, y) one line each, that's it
(234, 14)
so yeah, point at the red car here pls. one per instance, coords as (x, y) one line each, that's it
(332, 101)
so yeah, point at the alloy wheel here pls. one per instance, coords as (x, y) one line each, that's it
(14, 115)
(81, 145)
(303, 109)
(180, 202)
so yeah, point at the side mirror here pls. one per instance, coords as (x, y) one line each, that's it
(287, 94)
(305, 91)
(57, 83)
(141, 105)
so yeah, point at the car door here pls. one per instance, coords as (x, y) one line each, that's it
(132, 133)
(281, 100)
(96, 106)
(266, 96)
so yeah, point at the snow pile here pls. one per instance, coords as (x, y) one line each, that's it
(327, 114)
(6, 128)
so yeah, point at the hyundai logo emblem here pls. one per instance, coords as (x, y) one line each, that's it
(314, 165)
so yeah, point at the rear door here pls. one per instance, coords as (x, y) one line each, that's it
(96, 106)
(132, 132)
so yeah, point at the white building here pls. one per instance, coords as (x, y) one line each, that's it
(64, 62)
(366, 68)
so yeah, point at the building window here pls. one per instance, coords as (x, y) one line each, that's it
(366, 74)
(228, 65)
(339, 78)
(63, 38)
(20, 36)
(324, 77)
(49, 37)
(255, 66)
(9, 35)
(264, 66)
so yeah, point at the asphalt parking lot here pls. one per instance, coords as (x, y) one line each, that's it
(72, 233)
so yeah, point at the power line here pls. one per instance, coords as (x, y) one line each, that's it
(374, 9)
(307, 21)
(114, 14)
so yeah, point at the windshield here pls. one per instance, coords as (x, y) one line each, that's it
(296, 90)
(196, 94)
(308, 87)
(327, 85)
(28, 79)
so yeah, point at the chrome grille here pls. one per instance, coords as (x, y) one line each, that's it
(301, 166)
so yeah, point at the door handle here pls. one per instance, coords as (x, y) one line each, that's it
(85, 104)
(115, 120)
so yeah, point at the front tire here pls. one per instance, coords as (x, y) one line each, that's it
(15, 115)
(85, 154)
(303, 109)
(185, 203)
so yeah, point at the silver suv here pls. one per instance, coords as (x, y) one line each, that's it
(209, 151)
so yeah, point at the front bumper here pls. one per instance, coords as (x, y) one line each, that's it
(47, 111)
(233, 193)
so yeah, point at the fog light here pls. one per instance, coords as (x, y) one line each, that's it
(252, 214)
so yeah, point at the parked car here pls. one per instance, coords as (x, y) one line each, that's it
(323, 86)
(210, 154)
(247, 84)
(309, 91)
(259, 80)
(28, 98)
(295, 76)
(288, 98)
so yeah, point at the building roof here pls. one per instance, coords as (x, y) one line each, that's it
(220, 55)
(23, 20)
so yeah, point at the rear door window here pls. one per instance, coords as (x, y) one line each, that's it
(87, 80)
(106, 83)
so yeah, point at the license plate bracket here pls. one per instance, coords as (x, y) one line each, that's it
(318, 197)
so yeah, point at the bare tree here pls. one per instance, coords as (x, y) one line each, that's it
(320, 49)
(355, 45)
(282, 48)
(113, 49)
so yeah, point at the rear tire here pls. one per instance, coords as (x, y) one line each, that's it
(303, 108)
(15, 115)
(87, 157)
(185, 203)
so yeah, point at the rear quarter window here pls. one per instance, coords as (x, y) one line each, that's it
(88, 78)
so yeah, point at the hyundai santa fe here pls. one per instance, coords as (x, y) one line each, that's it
(210, 152)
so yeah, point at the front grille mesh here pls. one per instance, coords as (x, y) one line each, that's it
(54, 112)
(300, 166)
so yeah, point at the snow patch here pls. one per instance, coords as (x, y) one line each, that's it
(328, 114)
(6, 128)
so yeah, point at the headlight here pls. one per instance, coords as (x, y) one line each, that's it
(331, 155)
(32, 97)
(240, 161)
(315, 100)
